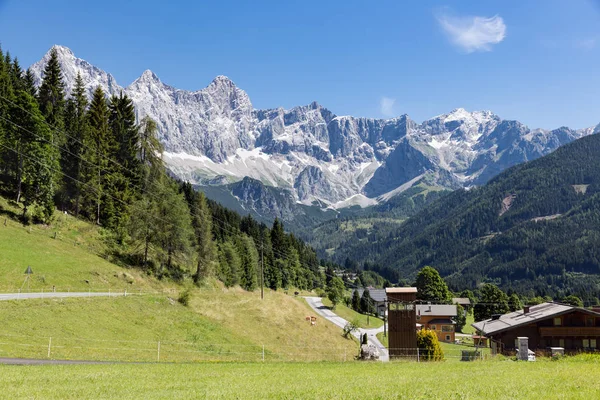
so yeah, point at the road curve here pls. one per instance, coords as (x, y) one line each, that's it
(317, 304)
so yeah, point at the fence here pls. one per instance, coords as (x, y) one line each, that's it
(450, 353)
(71, 348)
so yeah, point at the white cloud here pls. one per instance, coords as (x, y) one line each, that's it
(473, 33)
(386, 106)
(586, 44)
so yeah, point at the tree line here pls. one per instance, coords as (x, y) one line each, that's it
(95, 160)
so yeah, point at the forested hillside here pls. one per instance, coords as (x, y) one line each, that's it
(92, 159)
(533, 228)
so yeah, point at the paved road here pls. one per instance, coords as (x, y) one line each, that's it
(22, 296)
(325, 312)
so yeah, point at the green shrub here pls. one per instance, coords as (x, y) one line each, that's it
(184, 297)
(429, 346)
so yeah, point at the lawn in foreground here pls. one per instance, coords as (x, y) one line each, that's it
(352, 380)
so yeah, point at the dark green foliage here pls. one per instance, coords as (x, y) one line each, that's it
(355, 302)
(461, 317)
(364, 339)
(72, 159)
(51, 97)
(431, 287)
(492, 301)
(469, 238)
(367, 305)
(335, 291)
(514, 302)
(184, 297)
(572, 300)
(97, 163)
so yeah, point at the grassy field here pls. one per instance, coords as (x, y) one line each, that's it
(468, 328)
(218, 324)
(565, 379)
(350, 315)
(68, 262)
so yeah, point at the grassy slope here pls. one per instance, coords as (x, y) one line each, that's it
(572, 379)
(215, 315)
(218, 325)
(66, 262)
(350, 315)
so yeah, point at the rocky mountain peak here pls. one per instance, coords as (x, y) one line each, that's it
(319, 157)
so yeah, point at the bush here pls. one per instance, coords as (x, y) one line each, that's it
(320, 292)
(184, 297)
(350, 327)
(429, 346)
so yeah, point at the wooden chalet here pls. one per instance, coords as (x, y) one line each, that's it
(546, 325)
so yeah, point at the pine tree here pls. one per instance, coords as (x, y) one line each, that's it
(76, 125)
(37, 158)
(150, 148)
(30, 83)
(205, 247)
(126, 136)
(97, 152)
(249, 262)
(51, 96)
(176, 228)
(229, 264)
(355, 300)
(367, 305)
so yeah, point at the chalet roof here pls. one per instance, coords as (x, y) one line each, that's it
(376, 294)
(401, 290)
(517, 318)
(461, 300)
(436, 310)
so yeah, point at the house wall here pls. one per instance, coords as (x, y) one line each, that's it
(444, 332)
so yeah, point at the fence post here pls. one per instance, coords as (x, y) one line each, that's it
(263, 353)
(158, 352)
(125, 293)
(418, 355)
(49, 346)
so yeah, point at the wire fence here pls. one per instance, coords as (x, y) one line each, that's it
(84, 349)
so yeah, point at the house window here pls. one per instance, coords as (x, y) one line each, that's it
(561, 342)
(447, 328)
(433, 328)
(592, 343)
(586, 343)
(557, 322)
(590, 322)
(447, 338)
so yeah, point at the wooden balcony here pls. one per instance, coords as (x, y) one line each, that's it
(569, 331)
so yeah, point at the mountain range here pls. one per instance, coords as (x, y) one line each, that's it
(534, 229)
(309, 157)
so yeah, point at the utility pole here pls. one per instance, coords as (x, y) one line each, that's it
(262, 272)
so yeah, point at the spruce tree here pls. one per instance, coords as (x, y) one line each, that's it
(249, 262)
(355, 301)
(97, 152)
(367, 305)
(30, 83)
(126, 136)
(37, 158)
(76, 125)
(205, 247)
(51, 96)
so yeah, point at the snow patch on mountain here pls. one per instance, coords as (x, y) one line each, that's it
(214, 136)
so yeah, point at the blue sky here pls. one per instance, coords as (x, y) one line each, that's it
(535, 61)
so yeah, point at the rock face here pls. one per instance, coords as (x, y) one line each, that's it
(214, 136)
